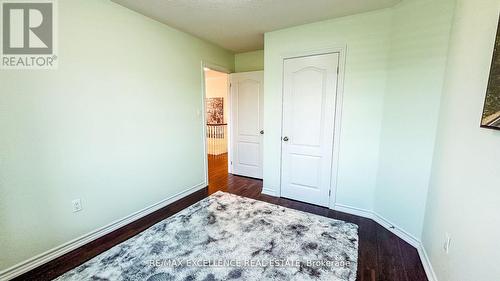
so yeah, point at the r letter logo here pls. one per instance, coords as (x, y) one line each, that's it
(28, 34)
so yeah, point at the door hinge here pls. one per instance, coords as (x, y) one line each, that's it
(338, 69)
(329, 192)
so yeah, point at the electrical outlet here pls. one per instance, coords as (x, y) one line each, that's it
(77, 205)
(446, 244)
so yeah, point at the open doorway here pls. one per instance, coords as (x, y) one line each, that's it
(233, 106)
(217, 115)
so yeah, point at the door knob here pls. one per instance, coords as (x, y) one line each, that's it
(261, 132)
(285, 139)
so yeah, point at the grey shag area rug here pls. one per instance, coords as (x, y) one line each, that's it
(226, 237)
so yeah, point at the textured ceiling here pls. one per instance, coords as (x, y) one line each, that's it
(239, 25)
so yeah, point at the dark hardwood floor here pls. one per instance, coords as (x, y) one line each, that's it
(382, 255)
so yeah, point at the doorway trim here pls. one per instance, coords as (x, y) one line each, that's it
(341, 49)
(216, 67)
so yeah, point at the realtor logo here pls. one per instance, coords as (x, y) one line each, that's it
(28, 34)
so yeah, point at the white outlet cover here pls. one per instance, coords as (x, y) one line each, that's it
(77, 205)
(446, 244)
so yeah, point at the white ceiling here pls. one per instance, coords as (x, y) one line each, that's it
(239, 25)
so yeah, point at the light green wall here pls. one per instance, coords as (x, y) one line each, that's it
(117, 125)
(367, 39)
(249, 61)
(393, 79)
(417, 61)
(465, 184)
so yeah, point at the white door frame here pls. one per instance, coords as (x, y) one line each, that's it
(341, 50)
(205, 64)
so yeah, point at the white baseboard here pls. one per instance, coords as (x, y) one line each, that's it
(398, 231)
(426, 262)
(269, 191)
(56, 252)
(49, 255)
(353, 211)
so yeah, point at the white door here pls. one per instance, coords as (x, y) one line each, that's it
(247, 100)
(309, 97)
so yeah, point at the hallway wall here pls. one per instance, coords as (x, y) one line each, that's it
(216, 86)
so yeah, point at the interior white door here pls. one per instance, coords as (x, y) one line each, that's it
(247, 100)
(309, 97)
